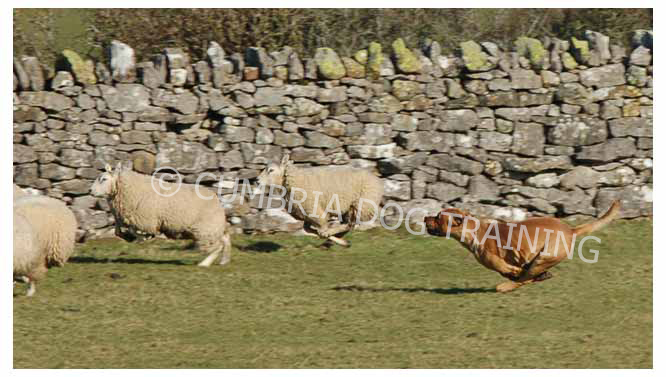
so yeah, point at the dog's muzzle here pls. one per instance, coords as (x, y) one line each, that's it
(432, 226)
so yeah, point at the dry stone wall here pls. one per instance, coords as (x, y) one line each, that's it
(551, 127)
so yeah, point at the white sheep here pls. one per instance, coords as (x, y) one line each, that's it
(18, 192)
(313, 195)
(29, 260)
(44, 236)
(175, 211)
(54, 225)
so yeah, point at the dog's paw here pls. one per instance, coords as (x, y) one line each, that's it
(544, 276)
(507, 286)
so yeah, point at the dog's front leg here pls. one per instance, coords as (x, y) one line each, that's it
(536, 270)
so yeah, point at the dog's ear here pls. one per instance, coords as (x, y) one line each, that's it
(457, 215)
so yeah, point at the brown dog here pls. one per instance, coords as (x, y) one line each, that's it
(528, 248)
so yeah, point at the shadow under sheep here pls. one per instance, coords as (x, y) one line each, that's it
(93, 260)
(260, 247)
(441, 291)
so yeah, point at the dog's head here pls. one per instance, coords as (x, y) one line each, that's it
(449, 220)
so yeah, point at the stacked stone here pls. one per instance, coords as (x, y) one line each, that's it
(551, 127)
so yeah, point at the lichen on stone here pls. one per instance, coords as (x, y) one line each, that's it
(83, 70)
(532, 49)
(406, 61)
(580, 49)
(361, 56)
(329, 64)
(375, 57)
(568, 61)
(475, 60)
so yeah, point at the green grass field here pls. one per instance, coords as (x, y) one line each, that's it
(393, 300)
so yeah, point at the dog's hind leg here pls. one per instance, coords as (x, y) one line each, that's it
(535, 271)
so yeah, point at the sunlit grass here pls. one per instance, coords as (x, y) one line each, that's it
(393, 300)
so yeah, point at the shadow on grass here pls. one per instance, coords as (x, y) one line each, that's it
(441, 291)
(261, 247)
(123, 260)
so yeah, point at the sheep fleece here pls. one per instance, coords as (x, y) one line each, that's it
(28, 258)
(18, 192)
(349, 184)
(140, 206)
(53, 223)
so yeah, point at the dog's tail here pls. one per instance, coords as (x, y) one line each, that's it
(609, 216)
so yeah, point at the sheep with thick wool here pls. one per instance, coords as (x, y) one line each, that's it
(18, 192)
(54, 224)
(44, 236)
(316, 195)
(29, 260)
(143, 204)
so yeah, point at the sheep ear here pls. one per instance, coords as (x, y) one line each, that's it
(119, 167)
(108, 168)
(285, 160)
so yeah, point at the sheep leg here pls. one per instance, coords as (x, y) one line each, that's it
(331, 239)
(324, 230)
(118, 226)
(214, 248)
(131, 234)
(31, 288)
(337, 240)
(226, 254)
(335, 230)
(210, 258)
(335, 234)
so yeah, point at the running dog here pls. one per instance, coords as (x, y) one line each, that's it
(528, 248)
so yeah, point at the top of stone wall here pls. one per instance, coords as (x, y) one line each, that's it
(173, 68)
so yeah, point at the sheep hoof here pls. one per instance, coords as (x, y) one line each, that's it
(339, 241)
(31, 289)
(327, 245)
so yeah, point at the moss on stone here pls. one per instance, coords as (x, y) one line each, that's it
(329, 64)
(568, 61)
(406, 61)
(580, 49)
(375, 57)
(532, 49)
(83, 70)
(475, 60)
(361, 56)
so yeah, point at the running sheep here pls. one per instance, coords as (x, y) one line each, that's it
(315, 195)
(18, 192)
(44, 236)
(29, 261)
(145, 205)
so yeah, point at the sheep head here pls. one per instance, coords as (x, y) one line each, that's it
(274, 173)
(106, 184)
